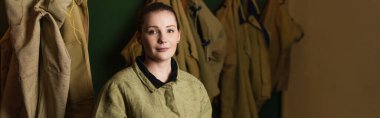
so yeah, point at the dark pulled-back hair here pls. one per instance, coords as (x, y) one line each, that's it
(156, 6)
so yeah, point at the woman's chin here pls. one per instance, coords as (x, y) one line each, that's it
(163, 57)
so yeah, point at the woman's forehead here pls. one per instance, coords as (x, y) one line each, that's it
(159, 13)
(160, 17)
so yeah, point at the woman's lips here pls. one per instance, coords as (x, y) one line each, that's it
(162, 49)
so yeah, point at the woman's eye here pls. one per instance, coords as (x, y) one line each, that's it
(170, 31)
(151, 32)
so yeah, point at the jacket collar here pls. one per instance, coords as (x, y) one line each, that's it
(149, 80)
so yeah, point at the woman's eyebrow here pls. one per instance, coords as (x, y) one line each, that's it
(151, 27)
(147, 27)
(170, 26)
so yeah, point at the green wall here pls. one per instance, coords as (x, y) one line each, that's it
(111, 27)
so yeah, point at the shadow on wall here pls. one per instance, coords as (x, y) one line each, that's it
(3, 19)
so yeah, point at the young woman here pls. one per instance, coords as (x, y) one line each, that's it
(154, 87)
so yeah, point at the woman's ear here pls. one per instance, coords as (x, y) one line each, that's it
(179, 36)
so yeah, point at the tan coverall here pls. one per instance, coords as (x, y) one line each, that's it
(210, 40)
(283, 33)
(237, 100)
(49, 68)
(257, 51)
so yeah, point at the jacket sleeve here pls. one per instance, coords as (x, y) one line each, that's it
(111, 103)
(206, 109)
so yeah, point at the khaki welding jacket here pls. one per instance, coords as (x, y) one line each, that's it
(256, 48)
(251, 84)
(283, 33)
(210, 40)
(130, 94)
(236, 98)
(46, 48)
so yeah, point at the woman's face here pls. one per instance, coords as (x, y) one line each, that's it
(159, 35)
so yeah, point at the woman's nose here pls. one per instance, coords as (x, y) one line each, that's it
(162, 38)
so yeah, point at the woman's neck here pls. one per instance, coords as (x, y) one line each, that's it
(161, 70)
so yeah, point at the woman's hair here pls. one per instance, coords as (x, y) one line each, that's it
(156, 6)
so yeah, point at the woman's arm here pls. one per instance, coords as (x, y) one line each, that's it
(206, 109)
(111, 103)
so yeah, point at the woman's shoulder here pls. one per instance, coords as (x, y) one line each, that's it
(185, 76)
(124, 73)
(190, 82)
(124, 77)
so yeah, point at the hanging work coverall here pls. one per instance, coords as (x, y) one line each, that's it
(237, 99)
(247, 75)
(44, 58)
(283, 33)
(257, 48)
(210, 40)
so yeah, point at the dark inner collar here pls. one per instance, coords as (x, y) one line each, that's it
(157, 83)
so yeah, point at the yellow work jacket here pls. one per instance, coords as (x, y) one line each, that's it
(49, 71)
(210, 40)
(130, 94)
(256, 48)
(236, 98)
(283, 33)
